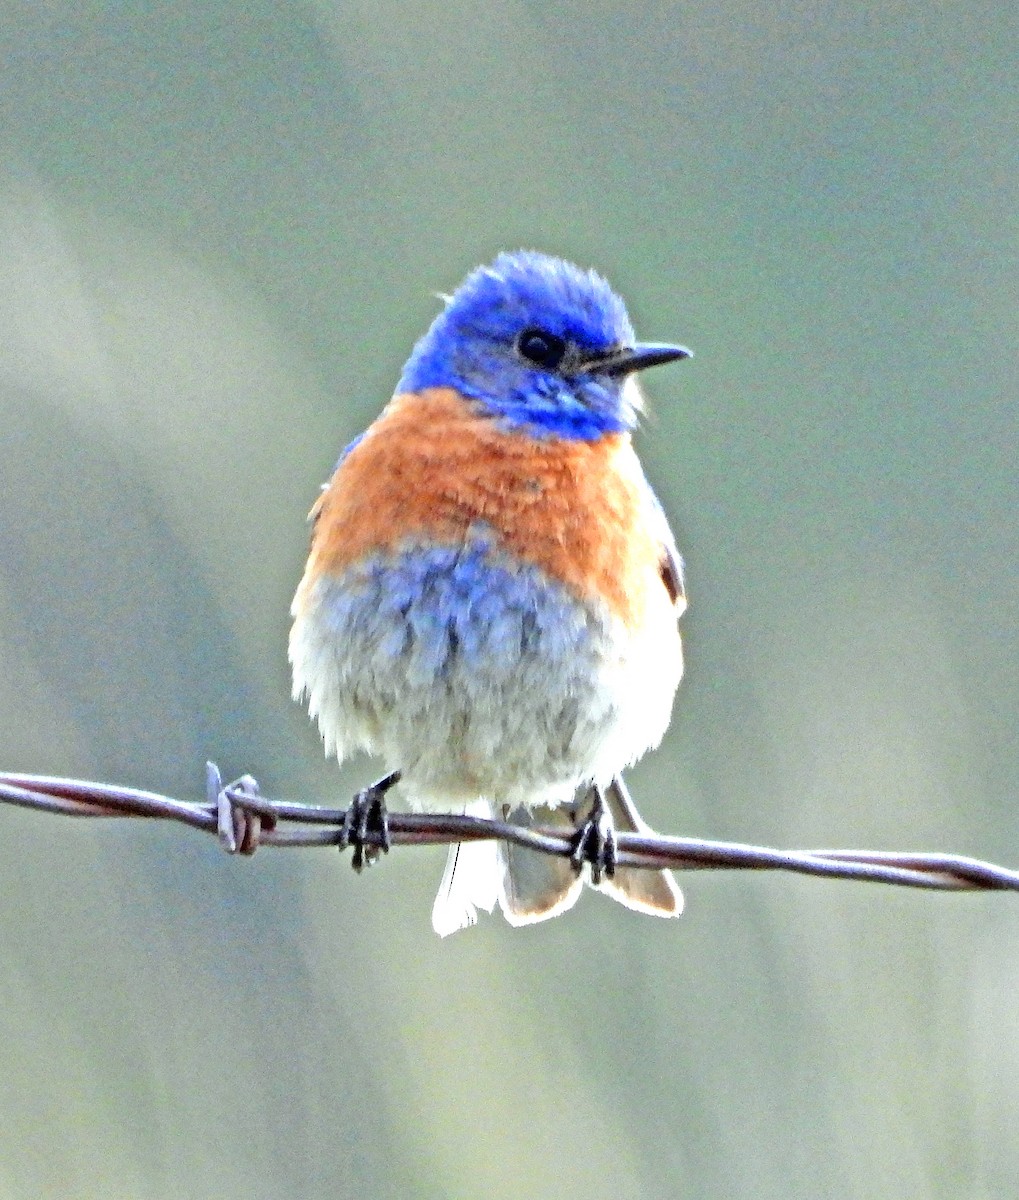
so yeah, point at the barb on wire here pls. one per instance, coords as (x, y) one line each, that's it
(242, 819)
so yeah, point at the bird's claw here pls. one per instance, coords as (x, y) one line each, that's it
(366, 824)
(365, 828)
(595, 841)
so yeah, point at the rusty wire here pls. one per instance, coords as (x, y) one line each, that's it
(242, 819)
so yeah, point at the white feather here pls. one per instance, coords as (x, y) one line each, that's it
(473, 879)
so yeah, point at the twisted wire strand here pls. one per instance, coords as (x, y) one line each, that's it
(242, 819)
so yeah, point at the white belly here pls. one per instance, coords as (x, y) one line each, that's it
(478, 678)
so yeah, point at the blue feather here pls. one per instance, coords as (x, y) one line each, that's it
(472, 347)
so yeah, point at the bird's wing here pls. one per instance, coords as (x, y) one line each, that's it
(316, 508)
(346, 450)
(672, 562)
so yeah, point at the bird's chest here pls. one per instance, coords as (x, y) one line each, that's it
(432, 473)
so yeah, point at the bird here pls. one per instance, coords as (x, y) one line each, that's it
(491, 598)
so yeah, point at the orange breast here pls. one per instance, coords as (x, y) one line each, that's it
(432, 466)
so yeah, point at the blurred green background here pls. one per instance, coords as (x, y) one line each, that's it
(220, 230)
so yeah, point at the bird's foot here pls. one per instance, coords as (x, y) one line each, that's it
(366, 823)
(595, 840)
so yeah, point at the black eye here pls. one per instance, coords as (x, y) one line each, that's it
(541, 347)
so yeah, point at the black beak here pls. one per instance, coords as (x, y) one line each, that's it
(636, 358)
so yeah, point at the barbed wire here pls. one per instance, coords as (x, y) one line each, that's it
(242, 819)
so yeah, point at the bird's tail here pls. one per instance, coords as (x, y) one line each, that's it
(473, 879)
(654, 892)
(530, 886)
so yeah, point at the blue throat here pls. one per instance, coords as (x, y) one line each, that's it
(534, 404)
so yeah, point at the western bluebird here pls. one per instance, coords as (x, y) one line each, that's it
(491, 597)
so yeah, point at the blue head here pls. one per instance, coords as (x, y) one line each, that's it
(545, 346)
